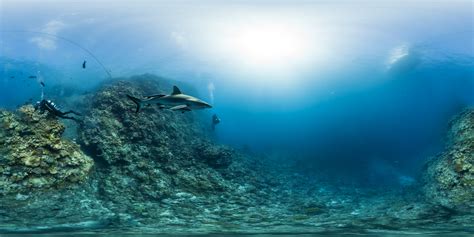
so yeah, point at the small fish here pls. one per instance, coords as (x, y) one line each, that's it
(84, 64)
(32, 77)
(42, 84)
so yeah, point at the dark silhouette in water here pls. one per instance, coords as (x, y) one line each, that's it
(215, 120)
(52, 108)
(84, 64)
(32, 77)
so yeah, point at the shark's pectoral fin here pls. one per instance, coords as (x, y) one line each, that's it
(181, 107)
(178, 107)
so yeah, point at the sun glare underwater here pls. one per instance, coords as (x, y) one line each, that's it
(237, 117)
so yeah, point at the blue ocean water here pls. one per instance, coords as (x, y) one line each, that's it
(357, 98)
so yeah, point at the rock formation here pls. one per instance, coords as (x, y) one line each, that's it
(449, 177)
(34, 156)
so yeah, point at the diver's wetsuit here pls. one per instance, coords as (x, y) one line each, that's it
(48, 105)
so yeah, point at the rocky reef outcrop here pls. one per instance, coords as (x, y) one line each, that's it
(152, 154)
(143, 163)
(117, 135)
(216, 156)
(34, 156)
(449, 177)
(159, 171)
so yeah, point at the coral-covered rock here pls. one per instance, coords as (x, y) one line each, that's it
(151, 154)
(114, 133)
(33, 155)
(214, 155)
(158, 173)
(449, 177)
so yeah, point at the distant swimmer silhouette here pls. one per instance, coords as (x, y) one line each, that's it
(215, 120)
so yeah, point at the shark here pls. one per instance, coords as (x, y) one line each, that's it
(176, 101)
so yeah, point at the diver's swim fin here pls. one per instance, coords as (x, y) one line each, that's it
(136, 101)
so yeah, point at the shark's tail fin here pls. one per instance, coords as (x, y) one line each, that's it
(136, 101)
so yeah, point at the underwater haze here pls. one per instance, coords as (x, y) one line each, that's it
(331, 117)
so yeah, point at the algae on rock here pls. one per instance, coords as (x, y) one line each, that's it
(33, 155)
(449, 177)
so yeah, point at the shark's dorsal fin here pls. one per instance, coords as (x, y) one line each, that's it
(176, 91)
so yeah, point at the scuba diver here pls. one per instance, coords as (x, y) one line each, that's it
(48, 105)
(215, 120)
(52, 108)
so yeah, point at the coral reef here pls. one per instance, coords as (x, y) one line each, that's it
(159, 171)
(115, 134)
(33, 155)
(153, 154)
(216, 156)
(449, 177)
